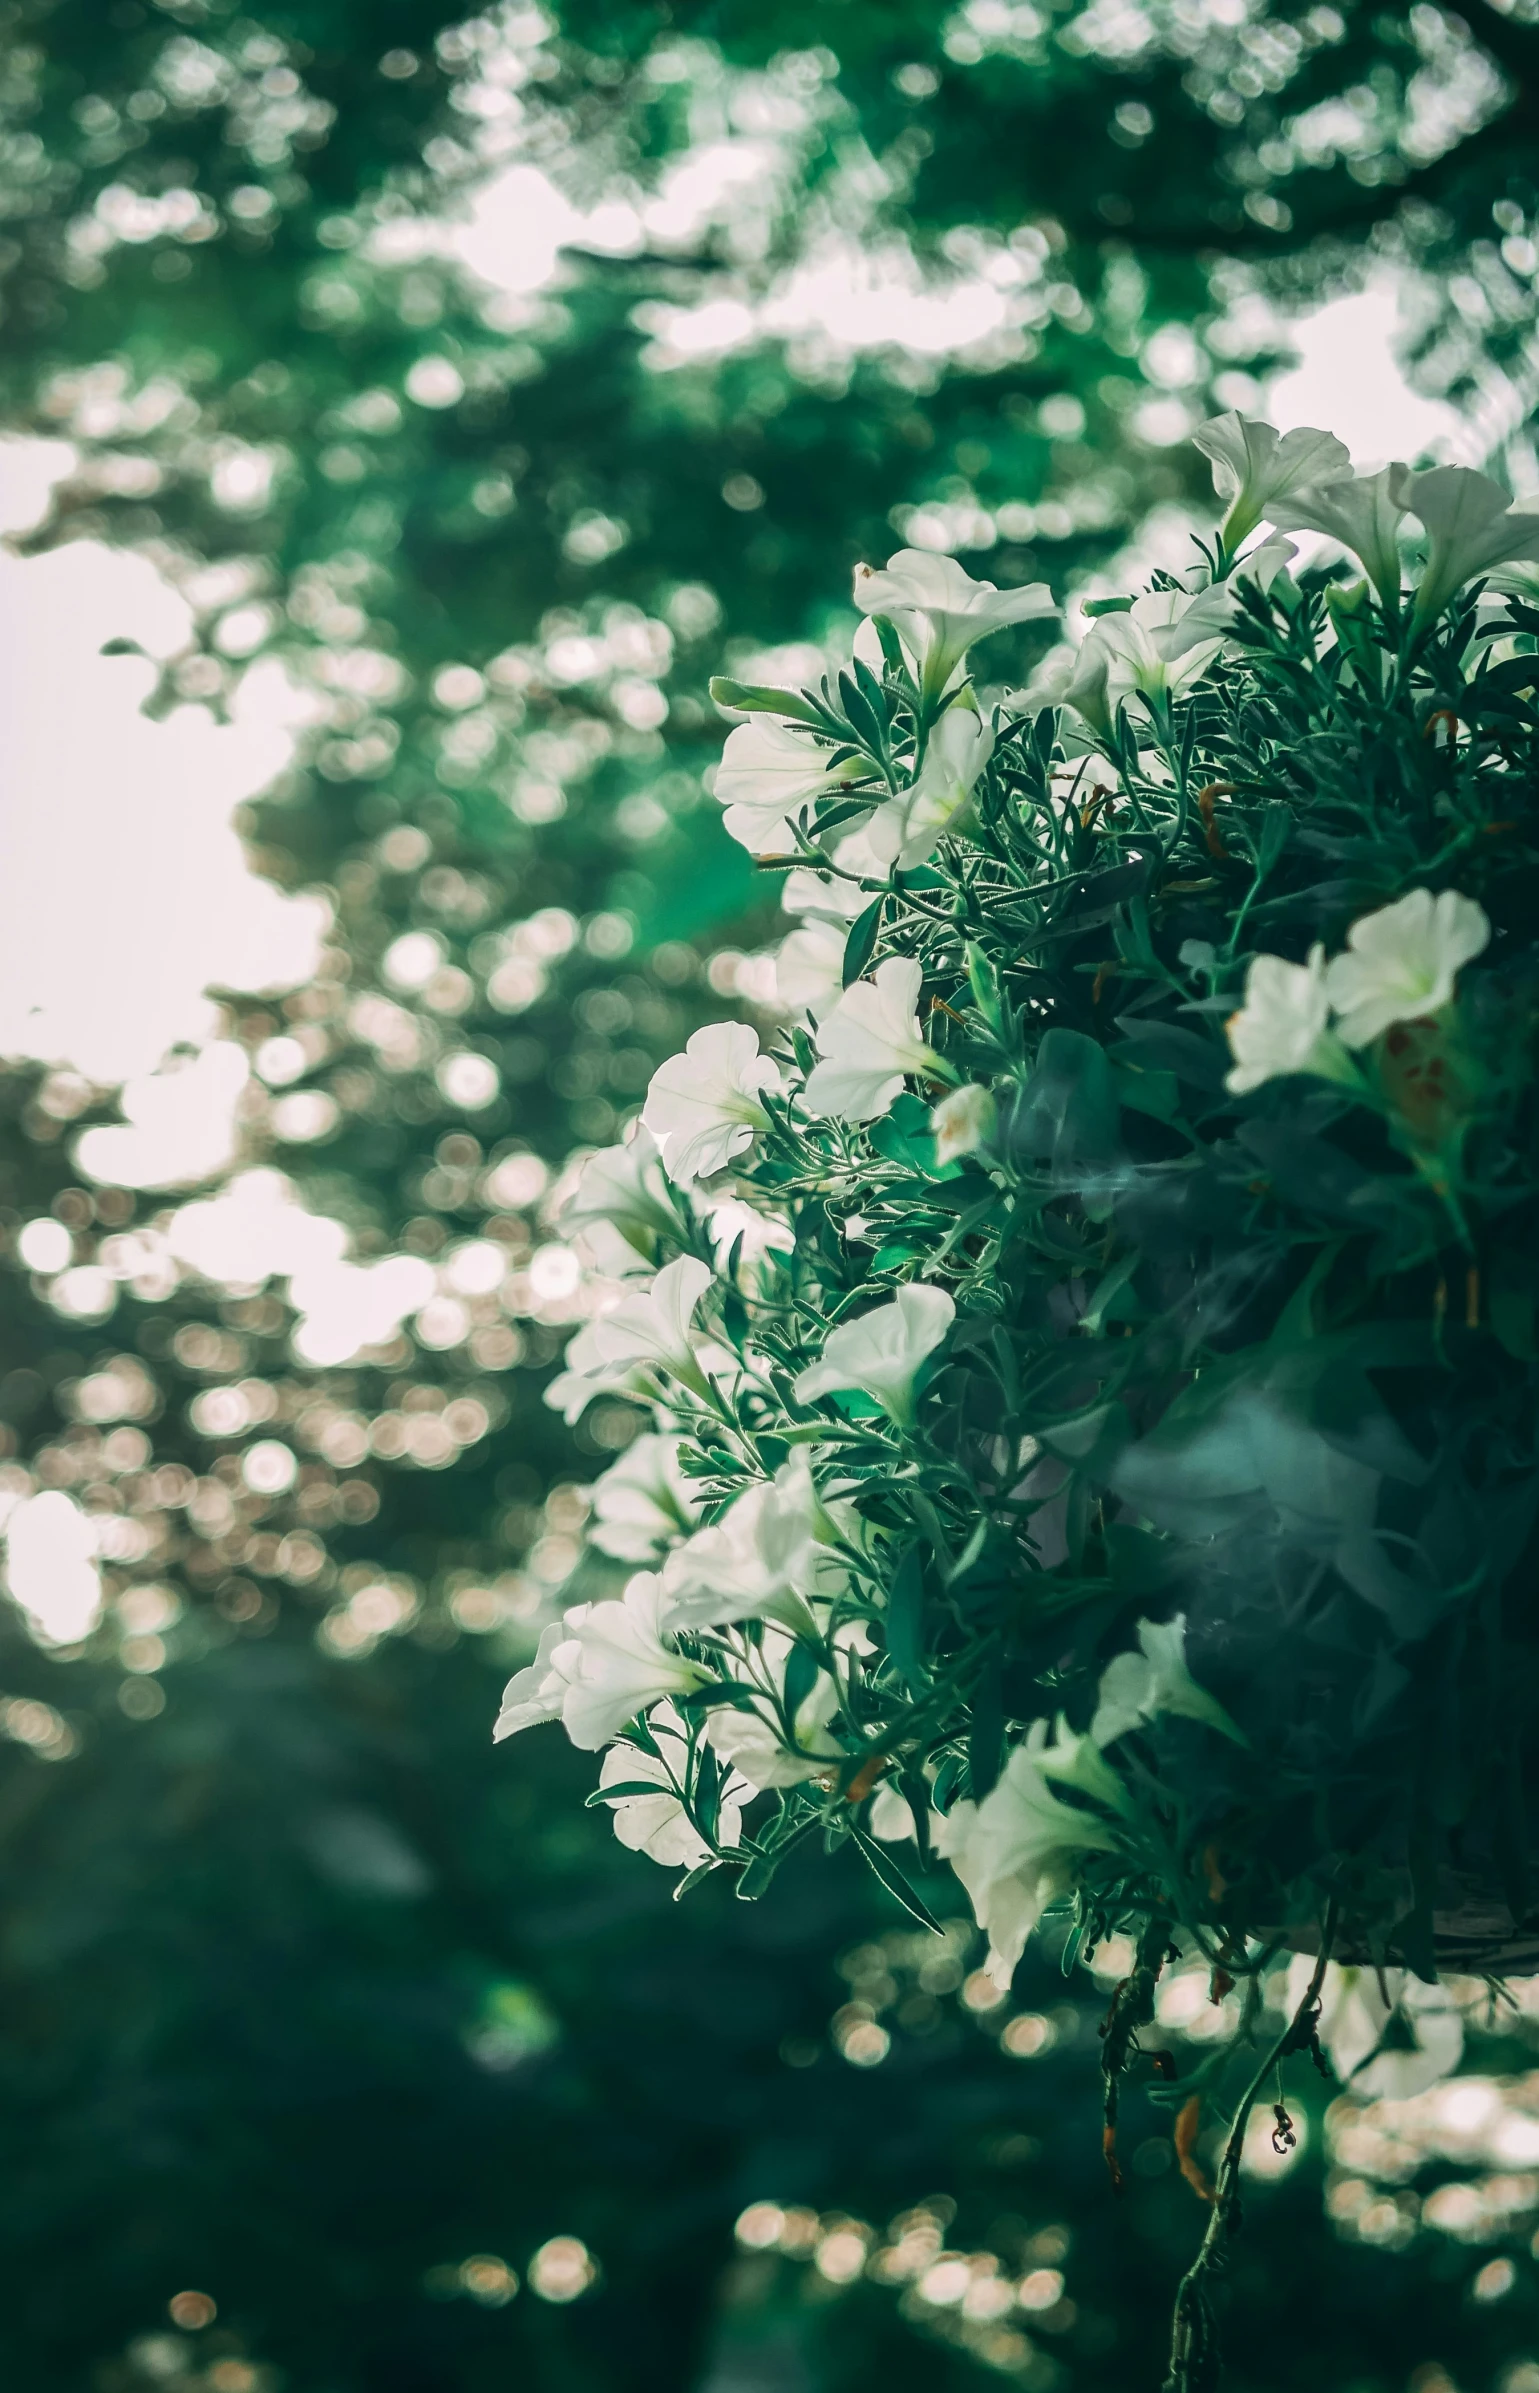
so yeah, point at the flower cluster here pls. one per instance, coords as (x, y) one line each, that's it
(1088, 1357)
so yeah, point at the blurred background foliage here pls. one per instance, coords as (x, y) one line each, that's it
(487, 384)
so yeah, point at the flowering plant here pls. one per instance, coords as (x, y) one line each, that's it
(1099, 1456)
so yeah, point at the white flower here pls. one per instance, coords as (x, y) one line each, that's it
(1254, 467)
(1136, 1687)
(1401, 962)
(1354, 2016)
(654, 1331)
(1283, 1024)
(658, 1825)
(1014, 1853)
(821, 895)
(1210, 613)
(908, 827)
(766, 1555)
(642, 1503)
(767, 774)
(869, 1041)
(613, 1663)
(767, 1749)
(623, 1189)
(1363, 514)
(939, 610)
(882, 1351)
(588, 1374)
(536, 1693)
(1469, 529)
(732, 1223)
(703, 1106)
(1078, 1761)
(890, 1818)
(809, 968)
(1124, 655)
(963, 1122)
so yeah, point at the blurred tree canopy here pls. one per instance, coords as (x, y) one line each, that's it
(499, 380)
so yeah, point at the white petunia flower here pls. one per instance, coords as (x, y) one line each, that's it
(703, 1106)
(1124, 655)
(769, 1552)
(1470, 525)
(588, 1374)
(658, 1825)
(1136, 1687)
(1363, 514)
(1210, 613)
(767, 774)
(882, 1352)
(908, 828)
(809, 968)
(614, 1664)
(821, 895)
(536, 1693)
(653, 1331)
(1255, 467)
(869, 1042)
(642, 1503)
(964, 1122)
(1354, 2017)
(939, 611)
(1283, 1026)
(732, 1223)
(761, 1743)
(1401, 962)
(624, 1189)
(1015, 1853)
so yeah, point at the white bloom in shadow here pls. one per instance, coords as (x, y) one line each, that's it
(1015, 1853)
(883, 1351)
(1284, 1025)
(642, 1503)
(939, 611)
(869, 1043)
(658, 1825)
(654, 1332)
(964, 1122)
(1137, 1687)
(907, 829)
(1255, 467)
(1401, 963)
(1354, 2016)
(770, 1551)
(767, 774)
(766, 1744)
(703, 1106)
(1470, 526)
(1211, 613)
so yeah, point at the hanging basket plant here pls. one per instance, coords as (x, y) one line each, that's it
(1092, 1355)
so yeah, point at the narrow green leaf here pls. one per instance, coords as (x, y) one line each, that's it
(883, 1866)
(862, 939)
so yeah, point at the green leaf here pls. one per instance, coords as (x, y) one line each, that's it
(883, 1866)
(905, 1621)
(752, 698)
(862, 939)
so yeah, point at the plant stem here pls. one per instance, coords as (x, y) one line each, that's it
(1194, 2350)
